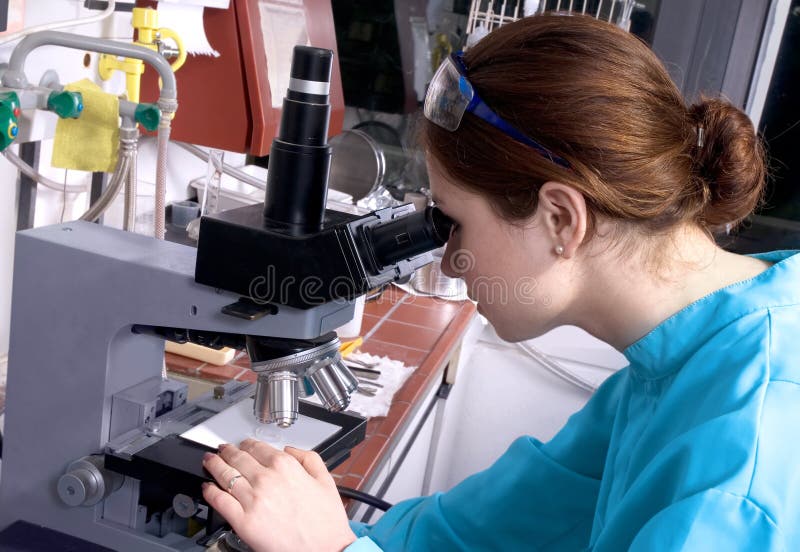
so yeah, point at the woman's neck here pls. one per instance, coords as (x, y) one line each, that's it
(638, 294)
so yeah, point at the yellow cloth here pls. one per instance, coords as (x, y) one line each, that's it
(90, 142)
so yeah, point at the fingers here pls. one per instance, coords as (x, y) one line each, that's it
(311, 461)
(223, 473)
(221, 501)
(265, 454)
(241, 460)
(271, 457)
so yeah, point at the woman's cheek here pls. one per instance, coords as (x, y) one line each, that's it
(449, 258)
(461, 261)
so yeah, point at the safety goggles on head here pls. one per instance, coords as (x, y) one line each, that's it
(450, 95)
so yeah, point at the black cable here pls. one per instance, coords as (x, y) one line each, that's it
(373, 501)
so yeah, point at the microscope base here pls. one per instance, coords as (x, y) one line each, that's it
(22, 536)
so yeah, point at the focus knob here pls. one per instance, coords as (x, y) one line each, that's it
(86, 482)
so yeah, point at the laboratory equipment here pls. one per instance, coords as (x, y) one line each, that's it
(51, 96)
(93, 446)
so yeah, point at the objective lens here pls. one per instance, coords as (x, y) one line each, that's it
(333, 396)
(276, 398)
(261, 401)
(344, 377)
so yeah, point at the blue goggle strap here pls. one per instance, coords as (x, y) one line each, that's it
(479, 108)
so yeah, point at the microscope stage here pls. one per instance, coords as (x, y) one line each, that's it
(173, 464)
(236, 423)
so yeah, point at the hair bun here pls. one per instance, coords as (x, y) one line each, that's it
(730, 162)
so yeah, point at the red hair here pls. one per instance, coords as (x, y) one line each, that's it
(600, 98)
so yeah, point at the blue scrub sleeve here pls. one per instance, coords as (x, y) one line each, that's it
(711, 520)
(535, 497)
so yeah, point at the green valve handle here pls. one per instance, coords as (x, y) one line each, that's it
(9, 112)
(148, 115)
(66, 104)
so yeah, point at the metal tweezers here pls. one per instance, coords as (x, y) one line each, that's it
(365, 372)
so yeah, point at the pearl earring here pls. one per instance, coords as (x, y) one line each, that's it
(559, 250)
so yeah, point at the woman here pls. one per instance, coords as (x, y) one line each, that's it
(584, 176)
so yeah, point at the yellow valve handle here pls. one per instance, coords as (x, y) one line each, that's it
(107, 66)
(169, 33)
(104, 68)
(144, 21)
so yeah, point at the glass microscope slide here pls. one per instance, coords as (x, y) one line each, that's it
(235, 424)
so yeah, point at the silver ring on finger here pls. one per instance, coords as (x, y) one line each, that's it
(232, 482)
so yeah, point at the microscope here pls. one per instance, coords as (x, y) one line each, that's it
(93, 456)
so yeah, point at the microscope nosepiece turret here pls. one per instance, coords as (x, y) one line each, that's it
(288, 368)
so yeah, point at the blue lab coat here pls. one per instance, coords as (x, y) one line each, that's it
(693, 446)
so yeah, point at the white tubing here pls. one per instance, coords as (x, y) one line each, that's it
(556, 368)
(161, 177)
(60, 24)
(238, 174)
(30, 172)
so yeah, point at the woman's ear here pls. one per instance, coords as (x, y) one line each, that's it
(564, 215)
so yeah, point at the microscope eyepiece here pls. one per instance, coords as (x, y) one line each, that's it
(408, 236)
(311, 71)
(299, 160)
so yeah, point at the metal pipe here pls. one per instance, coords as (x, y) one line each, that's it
(14, 77)
(127, 109)
(33, 174)
(128, 137)
(131, 183)
(100, 206)
(35, 97)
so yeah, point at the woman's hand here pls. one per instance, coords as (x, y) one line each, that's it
(277, 500)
